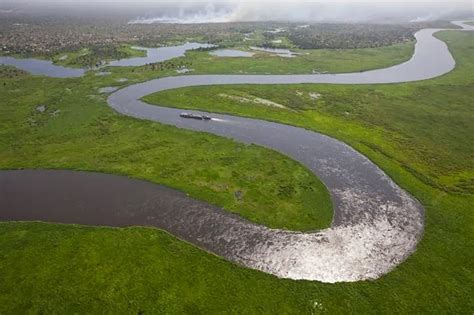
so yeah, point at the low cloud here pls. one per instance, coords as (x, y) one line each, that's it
(217, 11)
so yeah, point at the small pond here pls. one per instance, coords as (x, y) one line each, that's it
(286, 53)
(231, 53)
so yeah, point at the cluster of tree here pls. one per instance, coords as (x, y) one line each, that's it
(344, 36)
(211, 48)
(168, 65)
(10, 72)
(270, 45)
(99, 53)
(270, 35)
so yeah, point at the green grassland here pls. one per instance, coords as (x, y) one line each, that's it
(419, 133)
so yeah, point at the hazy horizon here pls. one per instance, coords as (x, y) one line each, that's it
(149, 11)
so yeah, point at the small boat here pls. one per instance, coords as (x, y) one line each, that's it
(195, 116)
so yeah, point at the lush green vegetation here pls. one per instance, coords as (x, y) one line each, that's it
(403, 119)
(65, 269)
(79, 131)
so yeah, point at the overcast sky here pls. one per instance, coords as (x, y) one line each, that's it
(250, 1)
(466, 3)
(192, 11)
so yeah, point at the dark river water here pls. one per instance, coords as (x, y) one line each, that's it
(376, 224)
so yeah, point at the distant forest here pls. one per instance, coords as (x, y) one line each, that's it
(43, 35)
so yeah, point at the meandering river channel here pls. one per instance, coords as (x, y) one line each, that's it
(376, 224)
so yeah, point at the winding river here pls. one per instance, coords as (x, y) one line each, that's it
(376, 224)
